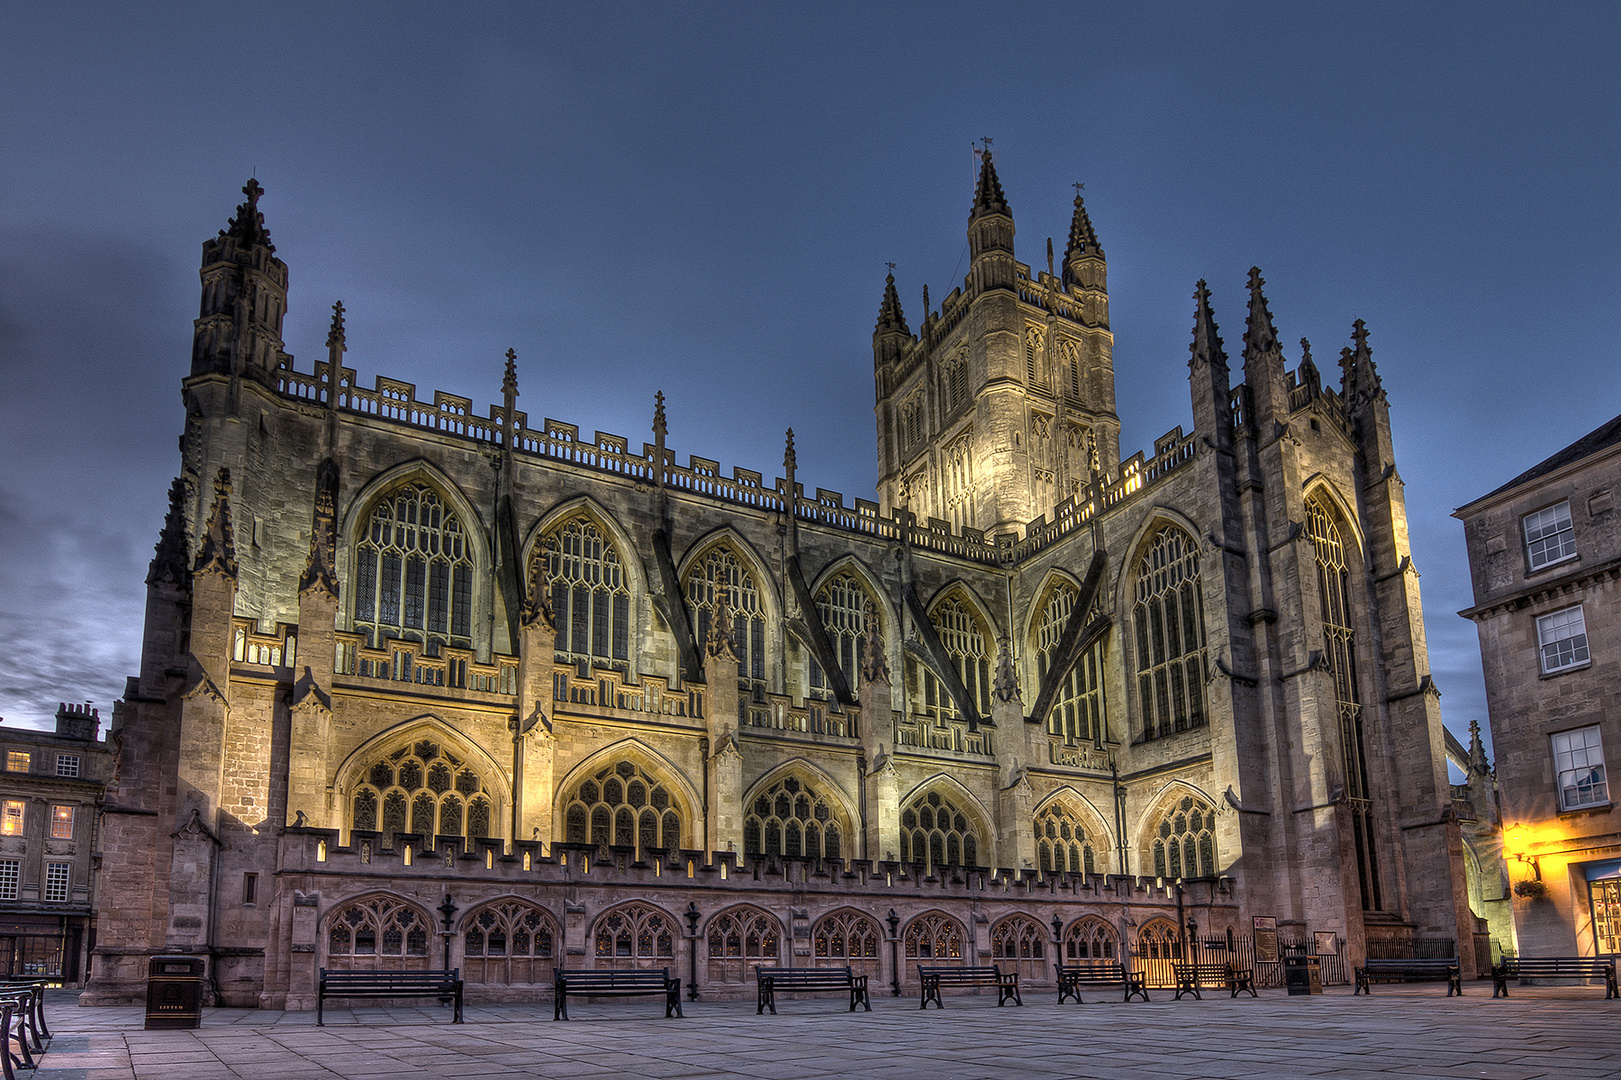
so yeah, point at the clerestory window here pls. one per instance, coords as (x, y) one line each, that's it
(842, 604)
(1168, 623)
(414, 573)
(590, 595)
(1077, 713)
(720, 568)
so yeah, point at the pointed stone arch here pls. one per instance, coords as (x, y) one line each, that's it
(757, 612)
(1342, 511)
(1077, 710)
(851, 590)
(1163, 587)
(870, 580)
(597, 584)
(924, 831)
(971, 640)
(847, 935)
(377, 929)
(606, 520)
(1179, 798)
(684, 796)
(634, 934)
(510, 940)
(1053, 579)
(352, 779)
(745, 550)
(1065, 805)
(417, 470)
(1157, 518)
(793, 821)
(739, 937)
(1090, 937)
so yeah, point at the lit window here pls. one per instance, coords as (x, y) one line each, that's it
(17, 760)
(1578, 758)
(414, 573)
(67, 764)
(1548, 536)
(10, 873)
(11, 817)
(56, 883)
(61, 822)
(1562, 637)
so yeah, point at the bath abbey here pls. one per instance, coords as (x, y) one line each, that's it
(426, 683)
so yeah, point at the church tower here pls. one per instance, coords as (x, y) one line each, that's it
(1001, 407)
(238, 329)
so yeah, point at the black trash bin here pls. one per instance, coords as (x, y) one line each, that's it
(1302, 974)
(174, 992)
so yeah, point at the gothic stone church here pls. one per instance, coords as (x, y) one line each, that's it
(423, 686)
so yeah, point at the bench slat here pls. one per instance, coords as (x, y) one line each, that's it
(809, 980)
(1072, 977)
(388, 984)
(640, 982)
(931, 978)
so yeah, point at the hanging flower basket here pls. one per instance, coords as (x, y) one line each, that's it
(1532, 890)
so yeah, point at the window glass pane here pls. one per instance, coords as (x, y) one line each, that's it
(61, 822)
(1579, 762)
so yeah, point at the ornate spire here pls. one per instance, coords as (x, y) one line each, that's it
(249, 224)
(335, 336)
(659, 427)
(169, 557)
(874, 668)
(1478, 765)
(1006, 687)
(789, 460)
(218, 553)
(988, 197)
(1083, 239)
(1359, 379)
(723, 625)
(1206, 347)
(537, 605)
(509, 382)
(1308, 374)
(318, 568)
(1259, 334)
(890, 316)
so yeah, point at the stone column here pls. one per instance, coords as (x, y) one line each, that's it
(535, 751)
(877, 742)
(1016, 845)
(724, 814)
(308, 782)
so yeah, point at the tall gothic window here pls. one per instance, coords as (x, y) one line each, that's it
(792, 818)
(1184, 841)
(1339, 643)
(959, 482)
(622, 805)
(1077, 713)
(1071, 366)
(842, 603)
(1169, 623)
(954, 385)
(590, 596)
(414, 573)
(912, 427)
(935, 831)
(967, 643)
(1061, 842)
(443, 794)
(720, 568)
(1035, 357)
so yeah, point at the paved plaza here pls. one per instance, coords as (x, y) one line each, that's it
(1573, 1034)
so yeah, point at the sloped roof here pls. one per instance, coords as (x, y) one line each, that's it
(1605, 435)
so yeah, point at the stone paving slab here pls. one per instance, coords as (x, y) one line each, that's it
(1413, 1032)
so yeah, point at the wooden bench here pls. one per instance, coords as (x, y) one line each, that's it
(1072, 977)
(933, 978)
(1442, 970)
(445, 985)
(1554, 967)
(643, 982)
(1189, 978)
(770, 980)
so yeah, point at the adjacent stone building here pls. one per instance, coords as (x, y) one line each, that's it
(423, 686)
(50, 795)
(1545, 555)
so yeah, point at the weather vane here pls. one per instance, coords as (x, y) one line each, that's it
(1078, 187)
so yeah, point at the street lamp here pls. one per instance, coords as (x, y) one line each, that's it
(692, 951)
(447, 911)
(894, 922)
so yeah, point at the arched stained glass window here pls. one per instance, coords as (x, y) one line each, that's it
(635, 935)
(1061, 843)
(506, 943)
(791, 817)
(378, 932)
(1018, 938)
(936, 831)
(842, 603)
(414, 573)
(1090, 938)
(934, 936)
(590, 595)
(968, 644)
(720, 568)
(739, 939)
(1168, 625)
(1184, 841)
(1077, 712)
(412, 783)
(845, 936)
(624, 805)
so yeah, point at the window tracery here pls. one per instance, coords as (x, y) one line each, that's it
(1018, 938)
(1077, 713)
(1061, 842)
(846, 936)
(720, 568)
(936, 832)
(1339, 644)
(1035, 356)
(843, 604)
(792, 818)
(954, 384)
(635, 935)
(444, 794)
(959, 482)
(1090, 938)
(1168, 620)
(1184, 843)
(934, 936)
(504, 942)
(590, 595)
(622, 805)
(378, 932)
(414, 573)
(739, 939)
(964, 638)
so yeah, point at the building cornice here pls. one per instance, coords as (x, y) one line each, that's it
(1543, 591)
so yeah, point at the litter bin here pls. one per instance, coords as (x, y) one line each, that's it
(1302, 974)
(174, 992)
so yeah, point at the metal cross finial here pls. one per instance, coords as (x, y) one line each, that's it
(986, 139)
(891, 267)
(1078, 187)
(252, 190)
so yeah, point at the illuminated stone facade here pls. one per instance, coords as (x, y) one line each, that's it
(1031, 701)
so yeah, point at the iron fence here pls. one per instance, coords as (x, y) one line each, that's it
(1158, 963)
